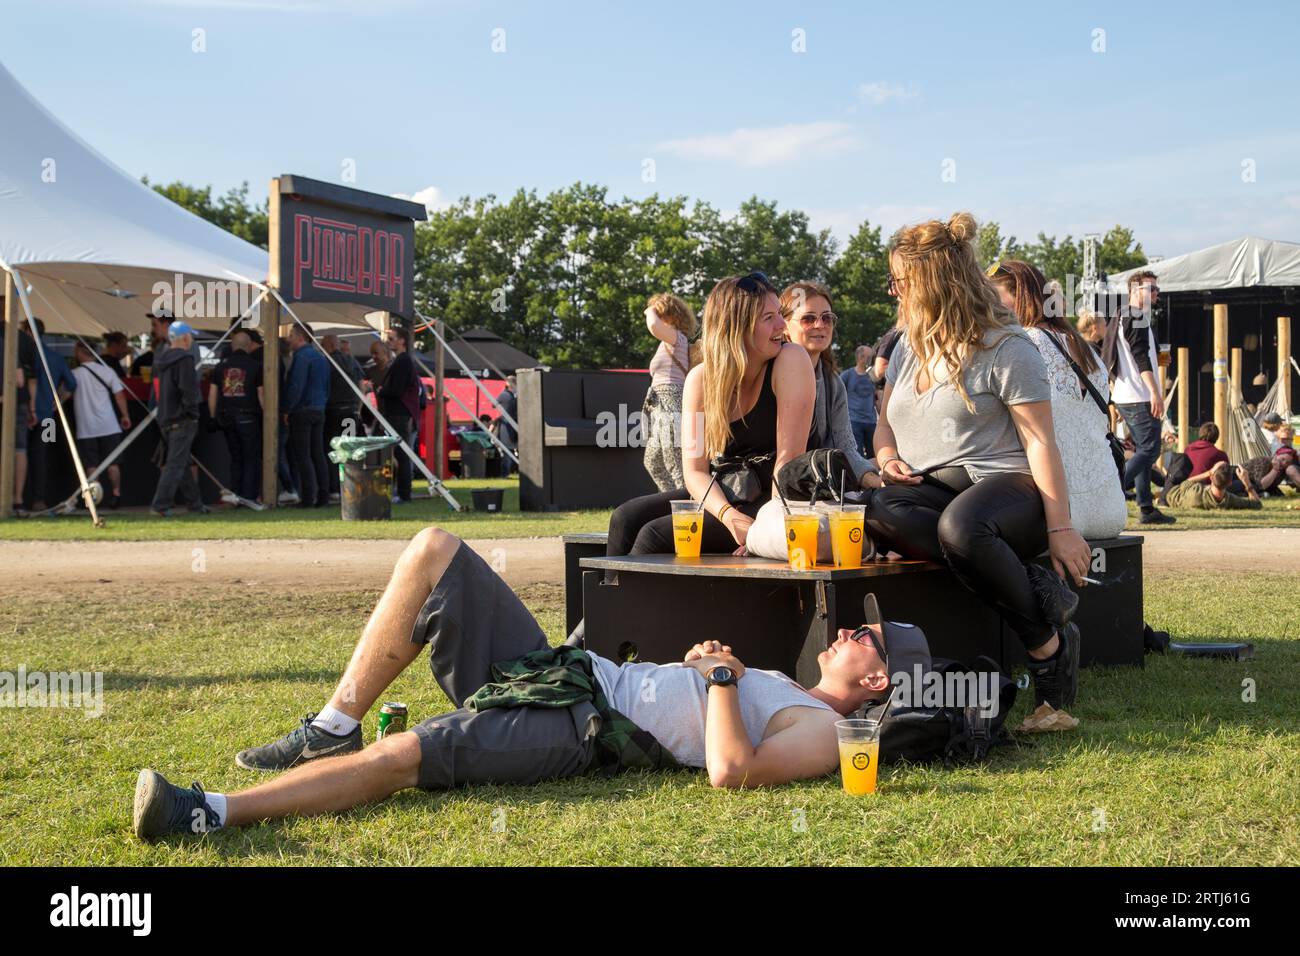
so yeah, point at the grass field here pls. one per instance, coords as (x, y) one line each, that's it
(1278, 512)
(1169, 766)
(226, 524)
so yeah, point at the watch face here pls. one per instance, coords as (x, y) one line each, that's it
(721, 674)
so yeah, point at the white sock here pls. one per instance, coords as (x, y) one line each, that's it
(334, 721)
(217, 801)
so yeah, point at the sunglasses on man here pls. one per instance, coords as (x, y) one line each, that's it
(866, 632)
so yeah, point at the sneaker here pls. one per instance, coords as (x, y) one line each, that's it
(161, 512)
(162, 808)
(1155, 516)
(288, 498)
(112, 502)
(1055, 597)
(200, 510)
(1056, 680)
(303, 744)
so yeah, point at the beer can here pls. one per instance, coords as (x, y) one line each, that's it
(392, 719)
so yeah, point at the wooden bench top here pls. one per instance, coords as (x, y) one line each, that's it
(731, 566)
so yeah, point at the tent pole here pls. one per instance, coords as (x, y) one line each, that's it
(9, 406)
(1184, 373)
(439, 405)
(1283, 362)
(1220, 371)
(270, 310)
(270, 316)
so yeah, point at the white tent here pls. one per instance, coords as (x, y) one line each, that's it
(1239, 264)
(92, 241)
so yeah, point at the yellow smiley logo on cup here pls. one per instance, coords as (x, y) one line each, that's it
(861, 761)
(855, 535)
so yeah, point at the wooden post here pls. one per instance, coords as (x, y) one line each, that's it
(270, 316)
(1236, 372)
(1283, 362)
(9, 423)
(1184, 403)
(1221, 371)
(439, 405)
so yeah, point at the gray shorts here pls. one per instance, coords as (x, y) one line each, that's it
(470, 621)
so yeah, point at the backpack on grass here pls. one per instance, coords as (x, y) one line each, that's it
(955, 735)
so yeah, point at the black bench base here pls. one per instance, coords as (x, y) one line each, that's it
(655, 607)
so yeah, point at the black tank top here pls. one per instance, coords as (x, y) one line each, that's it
(755, 433)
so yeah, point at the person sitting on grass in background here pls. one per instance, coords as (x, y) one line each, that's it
(1196, 462)
(1268, 473)
(747, 728)
(1269, 424)
(1215, 494)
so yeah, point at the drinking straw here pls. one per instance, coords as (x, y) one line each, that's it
(784, 503)
(707, 490)
(841, 489)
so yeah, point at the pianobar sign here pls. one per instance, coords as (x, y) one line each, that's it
(338, 244)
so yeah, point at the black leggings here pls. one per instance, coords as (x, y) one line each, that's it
(984, 533)
(645, 526)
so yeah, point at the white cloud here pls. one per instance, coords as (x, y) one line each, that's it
(770, 146)
(880, 92)
(430, 197)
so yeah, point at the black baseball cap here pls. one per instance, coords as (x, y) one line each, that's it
(905, 644)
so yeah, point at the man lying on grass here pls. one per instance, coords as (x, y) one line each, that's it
(553, 712)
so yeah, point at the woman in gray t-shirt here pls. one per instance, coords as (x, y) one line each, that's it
(973, 477)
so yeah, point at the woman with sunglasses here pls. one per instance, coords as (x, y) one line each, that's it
(810, 323)
(965, 445)
(750, 398)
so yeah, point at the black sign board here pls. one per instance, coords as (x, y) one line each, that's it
(338, 244)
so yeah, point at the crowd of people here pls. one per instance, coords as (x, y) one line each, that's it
(224, 395)
(978, 430)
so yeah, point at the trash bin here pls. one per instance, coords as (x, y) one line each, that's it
(365, 476)
(488, 499)
(473, 454)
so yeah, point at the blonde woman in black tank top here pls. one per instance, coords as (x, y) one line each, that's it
(751, 395)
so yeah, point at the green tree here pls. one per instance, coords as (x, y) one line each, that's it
(858, 280)
(232, 211)
(1118, 251)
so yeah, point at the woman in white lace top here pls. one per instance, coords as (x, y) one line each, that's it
(1097, 506)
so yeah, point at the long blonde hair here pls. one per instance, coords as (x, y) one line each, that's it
(730, 314)
(949, 303)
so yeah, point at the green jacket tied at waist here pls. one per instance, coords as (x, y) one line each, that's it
(563, 677)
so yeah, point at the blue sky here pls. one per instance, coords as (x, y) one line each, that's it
(1043, 131)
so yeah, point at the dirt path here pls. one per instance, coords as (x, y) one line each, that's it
(274, 564)
(25, 565)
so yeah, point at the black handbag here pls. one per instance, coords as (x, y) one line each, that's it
(1116, 448)
(816, 475)
(738, 476)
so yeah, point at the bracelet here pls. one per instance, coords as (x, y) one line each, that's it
(886, 462)
(723, 510)
(1062, 528)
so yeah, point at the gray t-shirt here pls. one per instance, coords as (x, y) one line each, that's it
(670, 701)
(935, 429)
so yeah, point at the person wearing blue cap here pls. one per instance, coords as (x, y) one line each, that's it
(176, 384)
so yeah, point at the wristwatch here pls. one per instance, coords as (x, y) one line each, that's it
(720, 676)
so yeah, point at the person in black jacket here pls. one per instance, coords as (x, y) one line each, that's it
(341, 406)
(179, 397)
(399, 402)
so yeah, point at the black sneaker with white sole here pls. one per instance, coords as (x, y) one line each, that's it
(298, 746)
(1155, 516)
(1056, 680)
(162, 808)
